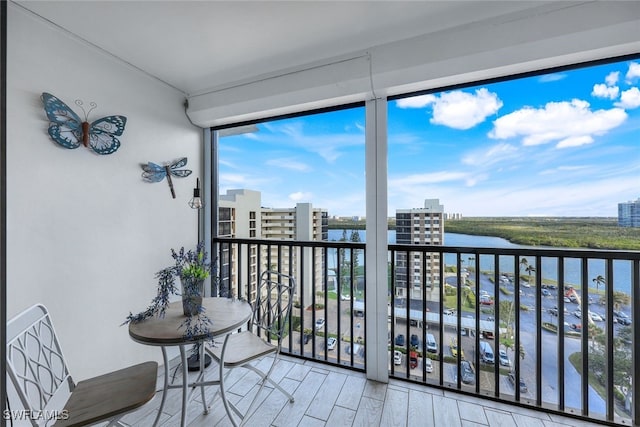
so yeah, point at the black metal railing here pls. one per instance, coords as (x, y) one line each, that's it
(549, 329)
(327, 322)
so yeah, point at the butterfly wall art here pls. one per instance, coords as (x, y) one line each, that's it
(69, 130)
(156, 173)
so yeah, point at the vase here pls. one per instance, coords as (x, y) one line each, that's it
(192, 291)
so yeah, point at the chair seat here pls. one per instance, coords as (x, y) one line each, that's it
(243, 347)
(108, 395)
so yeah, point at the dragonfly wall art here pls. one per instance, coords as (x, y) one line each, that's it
(156, 173)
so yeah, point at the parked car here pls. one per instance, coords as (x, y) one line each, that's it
(504, 359)
(306, 338)
(400, 340)
(621, 317)
(397, 358)
(512, 380)
(595, 316)
(345, 297)
(319, 323)
(454, 349)
(466, 373)
(413, 360)
(486, 352)
(358, 349)
(545, 293)
(432, 346)
(449, 312)
(331, 343)
(414, 340)
(428, 365)
(486, 300)
(488, 335)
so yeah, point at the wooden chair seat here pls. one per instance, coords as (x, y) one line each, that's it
(109, 395)
(242, 348)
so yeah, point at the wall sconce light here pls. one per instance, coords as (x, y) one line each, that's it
(196, 201)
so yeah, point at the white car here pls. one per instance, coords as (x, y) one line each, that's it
(595, 317)
(345, 297)
(504, 359)
(397, 358)
(331, 343)
(319, 323)
(428, 365)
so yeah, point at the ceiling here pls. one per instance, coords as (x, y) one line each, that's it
(196, 46)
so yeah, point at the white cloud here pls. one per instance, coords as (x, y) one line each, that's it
(461, 110)
(415, 101)
(426, 178)
(612, 78)
(603, 91)
(629, 99)
(633, 72)
(575, 141)
(457, 109)
(551, 77)
(497, 154)
(329, 146)
(289, 164)
(300, 196)
(561, 169)
(567, 123)
(230, 178)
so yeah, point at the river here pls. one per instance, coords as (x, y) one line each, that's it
(622, 270)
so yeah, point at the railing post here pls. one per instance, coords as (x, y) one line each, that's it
(376, 244)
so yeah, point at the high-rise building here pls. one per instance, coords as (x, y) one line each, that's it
(629, 214)
(241, 216)
(419, 226)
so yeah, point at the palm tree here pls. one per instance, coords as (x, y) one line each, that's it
(599, 281)
(524, 263)
(530, 269)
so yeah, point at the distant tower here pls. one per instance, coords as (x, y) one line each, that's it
(240, 215)
(420, 226)
(629, 214)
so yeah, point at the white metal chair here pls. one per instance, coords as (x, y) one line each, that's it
(44, 387)
(271, 310)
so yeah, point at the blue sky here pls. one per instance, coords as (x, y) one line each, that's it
(562, 144)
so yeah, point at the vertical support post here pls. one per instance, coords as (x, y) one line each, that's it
(209, 194)
(635, 315)
(3, 200)
(376, 244)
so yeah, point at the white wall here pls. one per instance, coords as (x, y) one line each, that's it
(85, 233)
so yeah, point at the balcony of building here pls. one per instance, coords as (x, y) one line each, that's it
(328, 395)
(529, 291)
(84, 234)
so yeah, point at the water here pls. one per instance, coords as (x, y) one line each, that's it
(622, 270)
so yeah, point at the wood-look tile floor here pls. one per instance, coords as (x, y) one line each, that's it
(331, 396)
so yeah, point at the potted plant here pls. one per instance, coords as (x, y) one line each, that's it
(192, 267)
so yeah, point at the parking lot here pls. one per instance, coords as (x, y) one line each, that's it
(485, 375)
